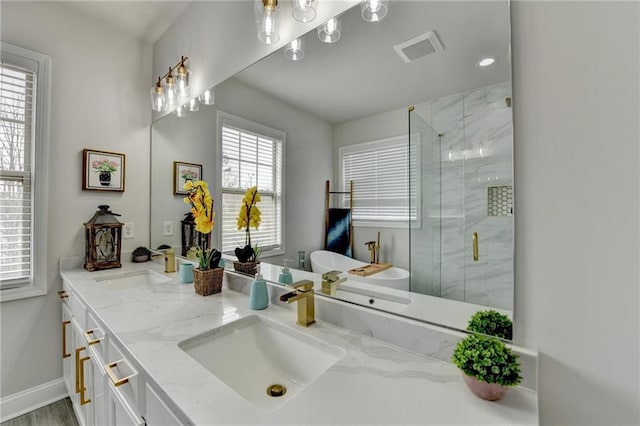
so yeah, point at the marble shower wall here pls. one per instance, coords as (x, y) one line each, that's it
(476, 152)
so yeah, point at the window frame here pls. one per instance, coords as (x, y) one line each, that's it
(362, 146)
(225, 118)
(40, 64)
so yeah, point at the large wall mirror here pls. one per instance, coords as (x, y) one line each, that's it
(457, 238)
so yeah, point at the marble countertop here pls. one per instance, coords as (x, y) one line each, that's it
(374, 383)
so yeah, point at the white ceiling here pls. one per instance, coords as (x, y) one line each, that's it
(362, 75)
(146, 20)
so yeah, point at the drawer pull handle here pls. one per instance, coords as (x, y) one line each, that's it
(83, 399)
(116, 382)
(62, 294)
(78, 350)
(64, 339)
(88, 335)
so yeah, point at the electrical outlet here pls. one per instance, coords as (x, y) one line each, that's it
(128, 230)
(168, 228)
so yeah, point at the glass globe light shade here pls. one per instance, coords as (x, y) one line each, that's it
(329, 32)
(303, 10)
(294, 50)
(207, 97)
(374, 10)
(193, 105)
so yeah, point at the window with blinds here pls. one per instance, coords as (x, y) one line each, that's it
(16, 198)
(380, 172)
(251, 157)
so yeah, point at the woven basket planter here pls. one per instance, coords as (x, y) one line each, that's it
(246, 267)
(207, 282)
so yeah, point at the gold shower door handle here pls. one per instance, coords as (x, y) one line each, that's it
(475, 246)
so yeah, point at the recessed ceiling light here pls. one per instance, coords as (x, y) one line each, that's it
(486, 61)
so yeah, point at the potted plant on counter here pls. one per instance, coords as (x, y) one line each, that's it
(249, 216)
(207, 277)
(488, 366)
(140, 254)
(491, 323)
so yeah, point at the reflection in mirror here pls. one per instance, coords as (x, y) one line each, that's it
(356, 91)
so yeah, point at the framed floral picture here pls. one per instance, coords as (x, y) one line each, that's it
(102, 171)
(183, 172)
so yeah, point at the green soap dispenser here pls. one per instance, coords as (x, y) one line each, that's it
(259, 296)
(285, 276)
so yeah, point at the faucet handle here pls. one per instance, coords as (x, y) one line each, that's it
(303, 285)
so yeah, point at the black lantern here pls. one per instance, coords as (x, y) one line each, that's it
(191, 237)
(103, 240)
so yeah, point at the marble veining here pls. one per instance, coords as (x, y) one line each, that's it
(374, 383)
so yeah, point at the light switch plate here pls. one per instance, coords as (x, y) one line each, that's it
(128, 230)
(168, 228)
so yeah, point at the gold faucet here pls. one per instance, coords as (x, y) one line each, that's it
(169, 259)
(330, 282)
(304, 295)
(374, 249)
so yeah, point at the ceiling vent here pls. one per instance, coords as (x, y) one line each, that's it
(419, 47)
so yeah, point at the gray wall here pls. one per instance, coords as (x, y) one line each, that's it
(99, 99)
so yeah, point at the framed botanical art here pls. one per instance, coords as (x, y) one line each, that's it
(102, 171)
(183, 172)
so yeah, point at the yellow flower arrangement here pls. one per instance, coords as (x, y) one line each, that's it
(249, 217)
(199, 198)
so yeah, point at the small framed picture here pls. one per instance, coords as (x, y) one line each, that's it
(183, 172)
(102, 171)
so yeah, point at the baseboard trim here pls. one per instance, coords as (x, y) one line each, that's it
(31, 399)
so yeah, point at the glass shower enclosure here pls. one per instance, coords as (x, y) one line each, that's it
(461, 198)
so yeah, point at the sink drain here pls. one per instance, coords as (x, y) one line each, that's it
(276, 390)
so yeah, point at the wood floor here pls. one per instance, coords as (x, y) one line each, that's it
(60, 413)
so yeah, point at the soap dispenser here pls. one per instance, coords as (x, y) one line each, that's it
(259, 296)
(285, 276)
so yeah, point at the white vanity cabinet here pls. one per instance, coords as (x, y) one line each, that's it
(104, 386)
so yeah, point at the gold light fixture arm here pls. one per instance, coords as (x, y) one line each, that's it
(172, 69)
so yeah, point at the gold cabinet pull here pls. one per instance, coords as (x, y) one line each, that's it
(89, 336)
(109, 368)
(83, 399)
(62, 294)
(475, 247)
(78, 350)
(64, 339)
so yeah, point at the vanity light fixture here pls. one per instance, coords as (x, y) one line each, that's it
(207, 97)
(165, 93)
(303, 10)
(486, 61)
(329, 32)
(294, 50)
(374, 10)
(266, 14)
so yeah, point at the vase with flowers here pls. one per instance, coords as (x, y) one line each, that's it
(207, 277)
(249, 217)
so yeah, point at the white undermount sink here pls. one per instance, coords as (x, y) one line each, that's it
(253, 353)
(133, 279)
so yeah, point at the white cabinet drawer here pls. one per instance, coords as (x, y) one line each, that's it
(123, 375)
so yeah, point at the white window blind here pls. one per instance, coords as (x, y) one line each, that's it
(16, 197)
(251, 158)
(380, 174)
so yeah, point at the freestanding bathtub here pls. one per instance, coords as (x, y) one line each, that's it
(324, 261)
